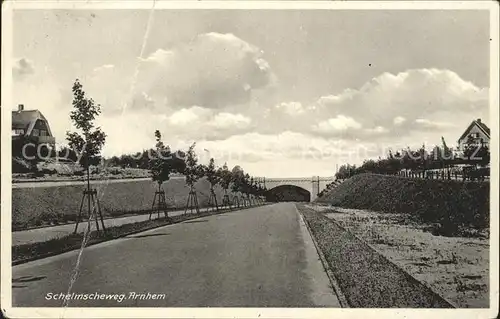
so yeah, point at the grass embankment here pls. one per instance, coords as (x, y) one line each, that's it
(32, 251)
(452, 207)
(366, 278)
(43, 206)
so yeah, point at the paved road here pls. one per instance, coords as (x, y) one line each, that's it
(45, 233)
(259, 257)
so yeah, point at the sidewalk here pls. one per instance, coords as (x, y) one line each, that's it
(46, 233)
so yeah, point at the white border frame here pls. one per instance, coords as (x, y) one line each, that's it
(6, 179)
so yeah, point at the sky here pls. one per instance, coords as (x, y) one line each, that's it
(282, 93)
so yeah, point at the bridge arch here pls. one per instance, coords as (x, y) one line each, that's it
(313, 185)
(288, 193)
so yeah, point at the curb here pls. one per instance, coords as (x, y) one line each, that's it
(65, 250)
(333, 281)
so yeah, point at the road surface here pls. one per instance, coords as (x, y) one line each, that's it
(258, 257)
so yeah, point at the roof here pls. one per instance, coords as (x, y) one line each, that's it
(483, 127)
(22, 119)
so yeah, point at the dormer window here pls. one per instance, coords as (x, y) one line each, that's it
(17, 132)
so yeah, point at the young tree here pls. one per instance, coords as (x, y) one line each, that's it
(213, 178)
(90, 140)
(246, 188)
(162, 163)
(225, 178)
(192, 173)
(237, 175)
(87, 141)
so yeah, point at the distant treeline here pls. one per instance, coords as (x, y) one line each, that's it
(420, 160)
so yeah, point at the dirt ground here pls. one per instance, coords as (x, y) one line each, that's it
(457, 268)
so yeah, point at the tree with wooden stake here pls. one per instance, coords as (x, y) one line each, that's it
(246, 189)
(162, 163)
(192, 173)
(251, 190)
(88, 142)
(225, 178)
(213, 178)
(237, 175)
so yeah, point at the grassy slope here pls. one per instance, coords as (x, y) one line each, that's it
(452, 204)
(37, 206)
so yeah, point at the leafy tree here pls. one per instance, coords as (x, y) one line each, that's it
(238, 177)
(225, 177)
(162, 162)
(90, 139)
(211, 173)
(192, 170)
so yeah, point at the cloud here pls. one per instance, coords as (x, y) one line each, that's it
(226, 120)
(389, 106)
(103, 68)
(428, 124)
(200, 123)
(190, 116)
(22, 68)
(214, 70)
(340, 123)
(391, 100)
(398, 120)
(291, 108)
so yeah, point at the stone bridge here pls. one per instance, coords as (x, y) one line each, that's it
(313, 185)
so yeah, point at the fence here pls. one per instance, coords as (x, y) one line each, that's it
(453, 173)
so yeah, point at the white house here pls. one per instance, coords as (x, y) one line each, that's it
(478, 131)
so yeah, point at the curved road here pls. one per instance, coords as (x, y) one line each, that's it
(258, 257)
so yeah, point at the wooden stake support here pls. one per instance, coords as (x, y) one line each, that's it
(159, 204)
(93, 201)
(236, 201)
(192, 202)
(212, 201)
(225, 201)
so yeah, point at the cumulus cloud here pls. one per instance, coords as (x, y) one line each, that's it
(340, 123)
(394, 99)
(398, 120)
(291, 108)
(389, 105)
(428, 124)
(103, 68)
(22, 68)
(200, 123)
(403, 108)
(214, 70)
(226, 120)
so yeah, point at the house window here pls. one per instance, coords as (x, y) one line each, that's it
(17, 132)
(43, 133)
(35, 132)
(474, 135)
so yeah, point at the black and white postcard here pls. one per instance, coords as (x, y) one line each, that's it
(249, 159)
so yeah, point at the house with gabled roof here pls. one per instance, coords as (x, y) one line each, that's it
(478, 132)
(31, 126)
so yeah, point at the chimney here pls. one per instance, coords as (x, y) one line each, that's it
(478, 120)
(20, 107)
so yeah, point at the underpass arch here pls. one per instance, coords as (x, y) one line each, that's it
(288, 193)
(314, 184)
